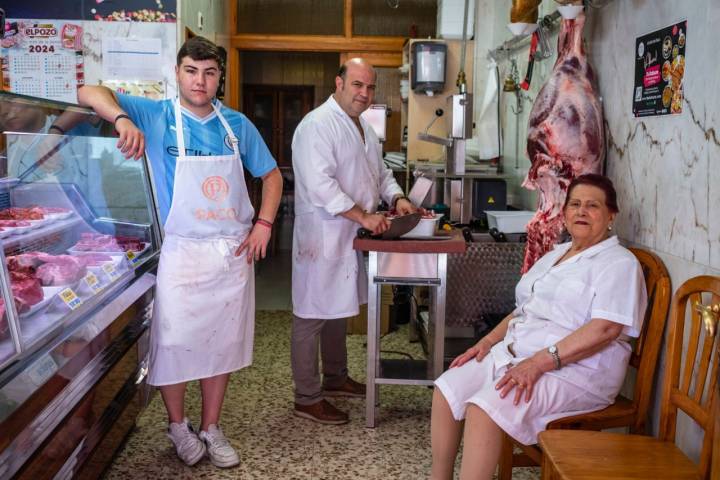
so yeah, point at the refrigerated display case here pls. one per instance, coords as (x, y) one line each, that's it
(80, 242)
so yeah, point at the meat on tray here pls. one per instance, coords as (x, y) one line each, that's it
(51, 270)
(18, 213)
(14, 223)
(93, 242)
(95, 259)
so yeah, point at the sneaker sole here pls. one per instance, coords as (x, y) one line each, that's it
(335, 393)
(195, 460)
(315, 419)
(227, 464)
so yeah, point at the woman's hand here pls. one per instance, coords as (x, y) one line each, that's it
(522, 378)
(479, 351)
(255, 243)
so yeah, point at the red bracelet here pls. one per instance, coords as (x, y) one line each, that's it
(264, 223)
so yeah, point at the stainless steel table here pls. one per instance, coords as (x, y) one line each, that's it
(405, 262)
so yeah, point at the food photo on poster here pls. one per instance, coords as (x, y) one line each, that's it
(660, 71)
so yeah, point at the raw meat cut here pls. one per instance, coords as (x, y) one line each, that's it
(26, 289)
(92, 242)
(17, 213)
(95, 259)
(565, 137)
(61, 270)
(52, 270)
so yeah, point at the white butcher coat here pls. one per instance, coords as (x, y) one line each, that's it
(334, 170)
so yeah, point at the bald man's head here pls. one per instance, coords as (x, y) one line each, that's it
(355, 62)
(355, 86)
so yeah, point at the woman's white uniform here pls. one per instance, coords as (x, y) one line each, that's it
(203, 319)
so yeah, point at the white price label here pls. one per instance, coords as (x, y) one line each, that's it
(109, 268)
(92, 282)
(70, 298)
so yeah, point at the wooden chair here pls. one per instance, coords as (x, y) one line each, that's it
(596, 455)
(624, 412)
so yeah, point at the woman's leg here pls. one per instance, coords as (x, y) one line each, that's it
(174, 398)
(213, 394)
(444, 438)
(481, 445)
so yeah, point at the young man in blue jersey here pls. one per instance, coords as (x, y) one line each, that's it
(203, 317)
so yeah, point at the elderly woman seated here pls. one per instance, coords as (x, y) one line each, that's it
(563, 351)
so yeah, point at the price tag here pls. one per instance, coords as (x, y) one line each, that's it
(92, 282)
(132, 257)
(70, 298)
(109, 268)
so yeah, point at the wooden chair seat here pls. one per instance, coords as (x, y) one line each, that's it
(619, 414)
(602, 455)
(690, 387)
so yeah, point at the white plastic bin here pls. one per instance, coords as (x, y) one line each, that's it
(509, 221)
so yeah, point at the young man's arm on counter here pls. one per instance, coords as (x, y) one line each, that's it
(104, 102)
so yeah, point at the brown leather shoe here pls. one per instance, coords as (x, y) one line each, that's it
(350, 388)
(322, 412)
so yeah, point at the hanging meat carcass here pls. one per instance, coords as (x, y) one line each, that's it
(565, 137)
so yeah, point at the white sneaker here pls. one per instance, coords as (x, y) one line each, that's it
(221, 453)
(187, 444)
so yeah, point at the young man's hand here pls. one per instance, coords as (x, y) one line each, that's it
(255, 243)
(132, 141)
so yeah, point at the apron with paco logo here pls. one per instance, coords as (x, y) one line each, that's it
(203, 317)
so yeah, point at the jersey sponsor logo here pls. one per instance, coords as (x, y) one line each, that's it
(217, 214)
(189, 152)
(215, 188)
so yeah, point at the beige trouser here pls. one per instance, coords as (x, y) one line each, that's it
(306, 334)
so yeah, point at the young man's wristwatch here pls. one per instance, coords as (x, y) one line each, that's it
(553, 350)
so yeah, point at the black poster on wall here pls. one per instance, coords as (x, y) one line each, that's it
(659, 71)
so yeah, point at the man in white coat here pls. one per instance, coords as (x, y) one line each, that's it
(339, 181)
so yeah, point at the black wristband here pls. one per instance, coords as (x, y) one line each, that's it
(55, 127)
(122, 115)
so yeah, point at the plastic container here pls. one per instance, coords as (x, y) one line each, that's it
(509, 221)
(426, 227)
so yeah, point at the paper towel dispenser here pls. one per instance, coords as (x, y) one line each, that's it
(429, 61)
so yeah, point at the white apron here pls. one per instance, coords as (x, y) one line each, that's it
(203, 318)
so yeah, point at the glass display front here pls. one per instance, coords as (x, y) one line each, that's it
(76, 218)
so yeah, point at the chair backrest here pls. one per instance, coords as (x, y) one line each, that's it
(690, 382)
(647, 346)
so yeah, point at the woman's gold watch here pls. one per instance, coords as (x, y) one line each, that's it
(553, 350)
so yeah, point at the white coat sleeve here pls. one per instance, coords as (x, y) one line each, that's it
(387, 185)
(315, 164)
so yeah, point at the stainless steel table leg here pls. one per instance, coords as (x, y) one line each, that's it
(438, 318)
(373, 341)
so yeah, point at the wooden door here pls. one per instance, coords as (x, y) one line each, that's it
(276, 110)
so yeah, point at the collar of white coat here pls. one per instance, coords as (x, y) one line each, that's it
(338, 110)
(609, 242)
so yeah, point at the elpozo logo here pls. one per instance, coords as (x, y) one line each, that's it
(40, 30)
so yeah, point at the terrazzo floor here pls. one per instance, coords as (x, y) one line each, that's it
(274, 444)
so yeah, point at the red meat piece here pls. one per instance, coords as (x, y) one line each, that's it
(61, 270)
